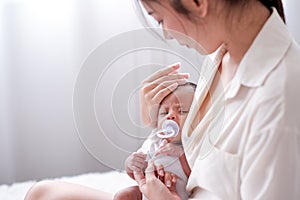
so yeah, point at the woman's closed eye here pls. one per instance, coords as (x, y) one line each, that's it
(160, 22)
(156, 18)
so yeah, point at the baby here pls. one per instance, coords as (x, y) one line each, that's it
(173, 107)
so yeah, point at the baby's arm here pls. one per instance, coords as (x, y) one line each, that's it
(185, 165)
(135, 162)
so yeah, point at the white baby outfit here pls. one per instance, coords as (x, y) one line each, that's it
(170, 163)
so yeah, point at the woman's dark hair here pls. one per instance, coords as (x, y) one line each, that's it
(187, 84)
(268, 3)
(276, 4)
(191, 84)
(177, 5)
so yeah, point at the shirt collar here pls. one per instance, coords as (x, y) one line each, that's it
(266, 51)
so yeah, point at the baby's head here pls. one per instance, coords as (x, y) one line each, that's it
(176, 107)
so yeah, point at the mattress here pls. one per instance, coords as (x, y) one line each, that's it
(108, 181)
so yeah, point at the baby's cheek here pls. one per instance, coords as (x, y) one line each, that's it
(182, 123)
(159, 123)
(183, 118)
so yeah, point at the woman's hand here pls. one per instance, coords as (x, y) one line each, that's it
(153, 187)
(155, 88)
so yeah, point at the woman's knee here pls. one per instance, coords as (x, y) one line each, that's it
(40, 190)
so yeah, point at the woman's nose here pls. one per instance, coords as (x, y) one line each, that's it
(166, 33)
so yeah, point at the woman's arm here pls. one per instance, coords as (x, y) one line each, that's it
(155, 88)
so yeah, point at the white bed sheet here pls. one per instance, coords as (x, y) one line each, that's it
(108, 181)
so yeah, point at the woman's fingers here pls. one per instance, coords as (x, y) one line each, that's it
(151, 88)
(179, 77)
(148, 182)
(174, 178)
(150, 171)
(165, 71)
(152, 100)
(168, 179)
(161, 171)
(162, 83)
(155, 88)
(139, 178)
(166, 80)
(151, 168)
(161, 94)
(172, 188)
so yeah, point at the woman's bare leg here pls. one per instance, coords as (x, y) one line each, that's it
(130, 193)
(56, 190)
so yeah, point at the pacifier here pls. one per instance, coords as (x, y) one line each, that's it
(169, 129)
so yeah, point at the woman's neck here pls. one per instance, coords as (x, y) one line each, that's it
(238, 39)
(244, 29)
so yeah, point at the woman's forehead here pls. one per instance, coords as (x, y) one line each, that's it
(155, 6)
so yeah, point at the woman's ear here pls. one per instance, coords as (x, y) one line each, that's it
(198, 7)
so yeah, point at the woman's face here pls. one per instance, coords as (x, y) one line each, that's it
(190, 33)
(176, 107)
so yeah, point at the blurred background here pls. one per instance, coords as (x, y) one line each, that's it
(43, 44)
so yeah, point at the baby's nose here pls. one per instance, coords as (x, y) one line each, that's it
(171, 116)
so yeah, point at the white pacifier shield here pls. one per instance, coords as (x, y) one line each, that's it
(169, 129)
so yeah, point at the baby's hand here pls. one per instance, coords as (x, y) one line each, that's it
(170, 149)
(136, 162)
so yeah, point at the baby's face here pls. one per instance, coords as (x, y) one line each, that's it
(176, 107)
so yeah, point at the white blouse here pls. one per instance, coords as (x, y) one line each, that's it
(247, 146)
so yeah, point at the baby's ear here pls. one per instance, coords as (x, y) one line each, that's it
(197, 7)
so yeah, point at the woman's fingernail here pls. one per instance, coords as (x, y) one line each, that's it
(168, 183)
(161, 172)
(176, 65)
(186, 75)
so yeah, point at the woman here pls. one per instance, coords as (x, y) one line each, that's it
(241, 137)
(251, 128)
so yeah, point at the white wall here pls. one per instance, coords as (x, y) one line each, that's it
(292, 8)
(43, 44)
